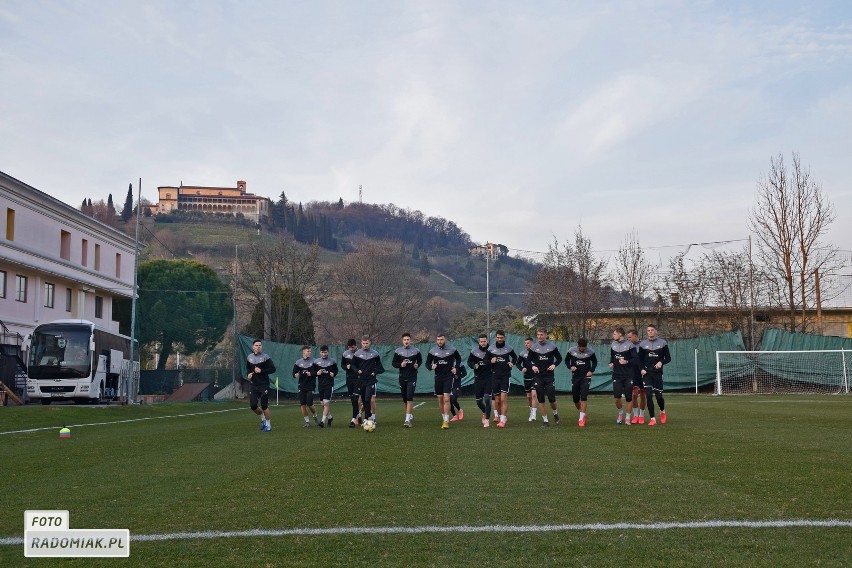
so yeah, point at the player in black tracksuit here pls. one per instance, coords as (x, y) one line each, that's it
(654, 354)
(407, 359)
(638, 382)
(480, 362)
(544, 358)
(582, 361)
(503, 360)
(351, 380)
(326, 371)
(368, 364)
(258, 368)
(621, 354)
(305, 373)
(445, 361)
(524, 365)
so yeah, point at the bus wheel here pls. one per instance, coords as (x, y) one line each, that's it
(46, 401)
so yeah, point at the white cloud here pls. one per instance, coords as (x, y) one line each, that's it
(515, 121)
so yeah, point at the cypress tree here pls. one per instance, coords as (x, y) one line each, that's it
(127, 210)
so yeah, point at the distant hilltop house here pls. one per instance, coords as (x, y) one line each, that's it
(226, 200)
(490, 250)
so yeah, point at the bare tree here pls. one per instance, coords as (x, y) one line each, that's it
(290, 266)
(729, 285)
(790, 216)
(438, 316)
(376, 293)
(687, 286)
(569, 287)
(104, 212)
(633, 273)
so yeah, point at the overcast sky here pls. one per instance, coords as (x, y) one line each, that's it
(517, 120)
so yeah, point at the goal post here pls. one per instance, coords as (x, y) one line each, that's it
(825, 371)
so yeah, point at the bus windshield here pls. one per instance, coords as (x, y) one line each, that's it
(60, 353)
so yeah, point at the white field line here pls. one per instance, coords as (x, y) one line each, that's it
(120, 421)
(30, 430)
(429, 529)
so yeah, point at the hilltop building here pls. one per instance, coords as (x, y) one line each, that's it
(227, 200)
(491, 250)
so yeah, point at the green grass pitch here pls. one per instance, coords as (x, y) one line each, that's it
(718, 459)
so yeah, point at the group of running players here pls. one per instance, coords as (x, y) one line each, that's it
(637, 377)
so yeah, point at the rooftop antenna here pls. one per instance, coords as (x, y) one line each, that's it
(360, 194)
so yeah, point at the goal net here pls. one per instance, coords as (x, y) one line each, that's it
(775, 372)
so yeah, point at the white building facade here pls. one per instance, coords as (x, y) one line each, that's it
(56, 262)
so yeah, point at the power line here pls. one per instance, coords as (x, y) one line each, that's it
(656, 247)
(159, 241)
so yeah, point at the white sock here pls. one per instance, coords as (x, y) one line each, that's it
(534, 412)
(582, 415)
(495, 414)
(555, 411)
(307, 420)
(446, 417)
(502, 418)
(620, 412)
(544, 418)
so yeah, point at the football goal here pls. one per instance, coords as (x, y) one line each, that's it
(783, 372)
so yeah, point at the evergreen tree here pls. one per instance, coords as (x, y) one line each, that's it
(292, 318)
(127, 210)
(110, 207)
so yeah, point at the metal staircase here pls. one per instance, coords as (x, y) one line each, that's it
(13, 370)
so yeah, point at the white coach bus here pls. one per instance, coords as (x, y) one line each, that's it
(77, 360)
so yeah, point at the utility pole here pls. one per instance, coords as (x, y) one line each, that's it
(236, 282)
(133, 387)
(818, 301)
(751, 293)
(487, 290)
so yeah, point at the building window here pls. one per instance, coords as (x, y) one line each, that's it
(2, 283)
(97, 256)
(20, 288)
(84, 256)
(10, 224)
(65, 245)
(99, 307)
(117, 265)
(67, 299)
(49, 291)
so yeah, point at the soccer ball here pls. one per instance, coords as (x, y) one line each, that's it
(369, 425)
